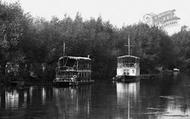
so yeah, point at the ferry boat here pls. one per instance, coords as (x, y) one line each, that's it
(128, 67)
(72, 70)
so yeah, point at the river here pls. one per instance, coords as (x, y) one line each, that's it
(165, 98)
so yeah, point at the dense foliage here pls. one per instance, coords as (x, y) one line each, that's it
(182, 48)
(27, 40)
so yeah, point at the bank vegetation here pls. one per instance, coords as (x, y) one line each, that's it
(30, 44)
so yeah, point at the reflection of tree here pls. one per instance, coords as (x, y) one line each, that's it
(13, 98)
(46, 102)
(21, 103)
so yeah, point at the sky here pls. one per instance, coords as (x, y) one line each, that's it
(118, 12)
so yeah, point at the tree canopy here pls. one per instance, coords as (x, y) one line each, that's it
(24, 39)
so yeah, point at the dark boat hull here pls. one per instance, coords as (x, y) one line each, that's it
(71, 83)
(127, 79)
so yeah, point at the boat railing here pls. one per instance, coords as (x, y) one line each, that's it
(65, 68)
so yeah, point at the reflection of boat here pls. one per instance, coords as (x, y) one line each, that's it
(73, 71)
(127, 90)
(128, 68)
(127, 95)
(72, 102)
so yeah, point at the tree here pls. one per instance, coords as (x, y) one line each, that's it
(182, 48)
(12, 25)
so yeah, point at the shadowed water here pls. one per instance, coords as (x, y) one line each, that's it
(166, 98)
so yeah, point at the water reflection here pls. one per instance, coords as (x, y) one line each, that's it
(178, 101)
(43, 96)
(127, 97)
(147, 99)
(45, 102)
(73, 103)
(127, 90)
(11, 99)
(175, 111)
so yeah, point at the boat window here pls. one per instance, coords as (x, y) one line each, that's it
(83, 65)
(128, 62)
(67, 62)
(70, 62)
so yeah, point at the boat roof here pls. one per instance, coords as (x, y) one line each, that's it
(75, 57)
(124, 56)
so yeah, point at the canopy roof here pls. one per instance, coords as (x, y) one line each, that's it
(126, 56)
(74, 57)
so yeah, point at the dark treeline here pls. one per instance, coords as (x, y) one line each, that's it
(33, 42)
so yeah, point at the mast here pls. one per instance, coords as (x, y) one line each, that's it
(129, 50)
(129, 45)
(63, 48)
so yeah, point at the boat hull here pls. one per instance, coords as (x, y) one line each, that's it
(71, 83)
(127, 79)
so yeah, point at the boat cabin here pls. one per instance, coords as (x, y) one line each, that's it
(128, 65)
(71, 68)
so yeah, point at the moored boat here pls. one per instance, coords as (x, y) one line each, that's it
(72, 71)
(128, 67)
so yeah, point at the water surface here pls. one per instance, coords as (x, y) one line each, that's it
(165, 98)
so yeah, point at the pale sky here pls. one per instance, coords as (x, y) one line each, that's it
(118, 12)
